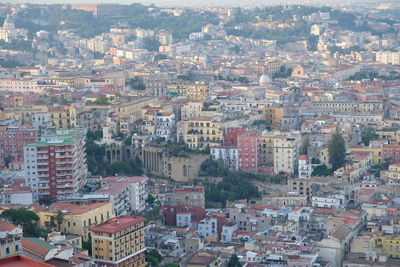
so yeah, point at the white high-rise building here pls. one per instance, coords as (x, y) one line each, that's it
(285, 154)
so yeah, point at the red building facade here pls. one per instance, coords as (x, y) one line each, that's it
(12, 140)
(391, 152)
(230, 138)
(248, 146)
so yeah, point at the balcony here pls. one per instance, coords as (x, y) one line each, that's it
(43, 187)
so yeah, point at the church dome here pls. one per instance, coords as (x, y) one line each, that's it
(264, 79)
(8, 23)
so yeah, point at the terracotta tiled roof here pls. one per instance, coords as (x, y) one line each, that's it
(115, 225)
(202, 258)
(22, 261)
(70, 208)
(5, 226)
(36, 207)
(36, 246)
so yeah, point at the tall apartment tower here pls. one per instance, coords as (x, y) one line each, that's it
(55, 167)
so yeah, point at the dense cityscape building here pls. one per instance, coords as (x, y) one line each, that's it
(248, 134)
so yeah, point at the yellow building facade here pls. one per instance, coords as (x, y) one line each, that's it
(376, 152)
(10, 239)
(387, 245)
(200, 132)
(198, 92)
(64, 117)
(119, 242)
(75, 219)
(267, 149)
(274, 115)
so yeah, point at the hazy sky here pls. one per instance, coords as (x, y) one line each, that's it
(188, 2)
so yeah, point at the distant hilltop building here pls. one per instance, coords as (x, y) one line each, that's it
(264, 80)
(96, 9)
(8, 32)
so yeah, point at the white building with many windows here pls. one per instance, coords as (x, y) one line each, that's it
(165, 125)
(305, 167)
(227, 154)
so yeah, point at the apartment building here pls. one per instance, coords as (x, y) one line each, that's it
(285, 154)
(189, 196)
(231, 136)
(165, 125)
(119, 242)
(229, 155)
(75, 219)
(16, 193)
(388, 57)
(200, 132)
(305, 167)
(248, 148)
(134, 107)
(392, 175)
(191, 109)
(96, 9)
(388, 245)
(267, 149)
(126, 193)
(20, 86)
(12, 140)
(274, 115)
(62, 117)
(391, 152)
(349, 106)
(198, 91)
(55, 167)
(10, 239)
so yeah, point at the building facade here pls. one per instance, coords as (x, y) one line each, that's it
(248, 148)
(12, 140)
(285, 154)
(55, 167)
(10, 239)
(119, 242)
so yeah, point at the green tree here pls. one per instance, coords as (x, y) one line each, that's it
(367, 135)
(184, 77)
(159, 57)
(26, 218)
(234, 261)
(87, 245)
(321, 170)
(99, 101)
(126, 168)
(136, 84)
(337, 151)
(150, 199)
(59, 219)
(151, 43)
(283, 72)
(153, 257)
(94, 136)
